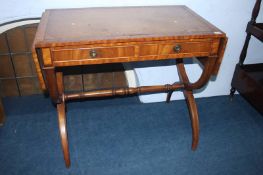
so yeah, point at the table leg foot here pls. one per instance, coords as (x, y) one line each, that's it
(232, 92)
(194, 117)
(63, 132)
(168, 97)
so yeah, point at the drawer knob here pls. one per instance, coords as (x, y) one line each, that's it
(177, 48)
(93, 53)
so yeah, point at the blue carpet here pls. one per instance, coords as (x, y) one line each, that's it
(122, 136)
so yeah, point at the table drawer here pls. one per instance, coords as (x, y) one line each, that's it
(185, 48)
(67, 54)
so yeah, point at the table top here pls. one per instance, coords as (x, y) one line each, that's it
(66, 37)
(119, 24)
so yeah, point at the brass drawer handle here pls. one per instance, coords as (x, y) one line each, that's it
(93, 53)
(177, 48)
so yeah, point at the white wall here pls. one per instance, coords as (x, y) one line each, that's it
(230, 16)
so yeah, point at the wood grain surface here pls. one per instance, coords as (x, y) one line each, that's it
(89, 25)
(66, 37)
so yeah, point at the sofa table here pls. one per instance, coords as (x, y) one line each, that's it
(91, 36)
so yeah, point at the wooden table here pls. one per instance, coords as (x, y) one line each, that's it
(85, 36)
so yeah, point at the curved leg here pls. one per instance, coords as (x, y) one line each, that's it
(61, 108)
(206, 74)
(194, 117)
(63, 132)
(191, 104)
(209, 63)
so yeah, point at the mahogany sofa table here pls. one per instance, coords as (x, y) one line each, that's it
(90, 36)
